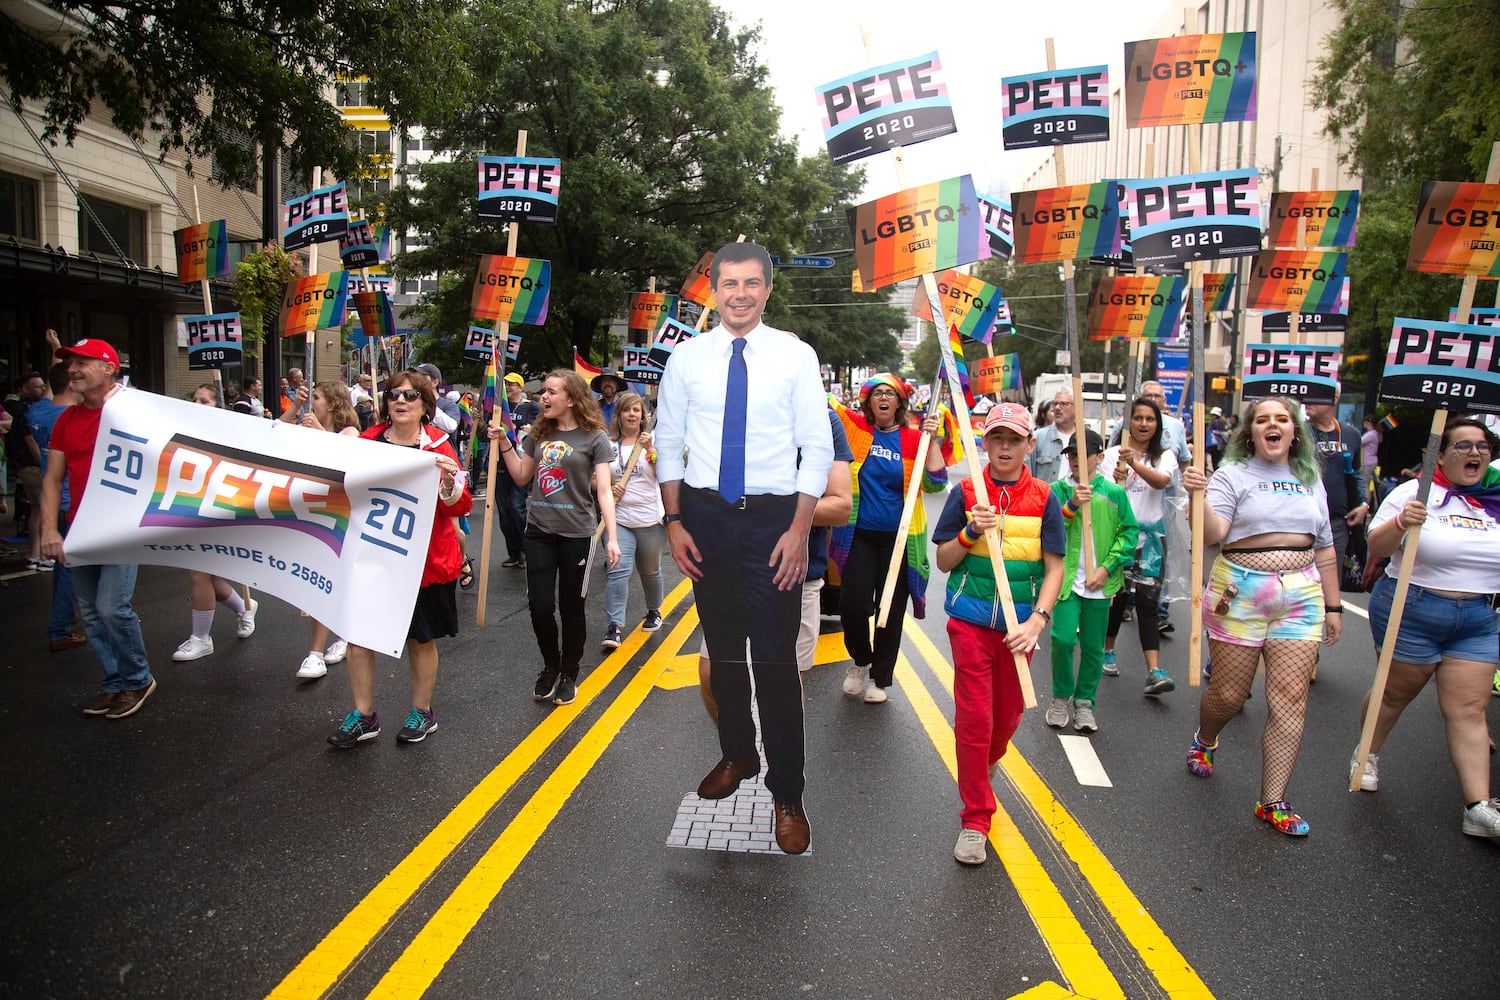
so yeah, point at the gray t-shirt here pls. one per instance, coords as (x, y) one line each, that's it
(561, 501)
(1259, 497)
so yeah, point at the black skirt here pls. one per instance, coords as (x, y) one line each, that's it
(436, 612)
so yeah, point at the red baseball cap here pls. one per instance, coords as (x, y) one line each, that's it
(89, 347)
(1012, 416)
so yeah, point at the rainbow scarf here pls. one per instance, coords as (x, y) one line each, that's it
(918, 570)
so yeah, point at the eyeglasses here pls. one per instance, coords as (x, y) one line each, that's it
(885, 394)
(1464, 447)
(410, 395)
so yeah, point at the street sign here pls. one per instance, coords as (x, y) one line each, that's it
(802, 262)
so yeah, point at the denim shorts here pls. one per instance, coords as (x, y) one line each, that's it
(1282, 604)
(1434, 626)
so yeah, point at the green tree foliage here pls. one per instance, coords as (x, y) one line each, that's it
(210, 77)
(1035, 293)
(670, 142)
(1413, 92)
(845, 328)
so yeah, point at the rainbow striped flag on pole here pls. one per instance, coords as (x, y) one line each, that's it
(956, 341)
(587, 371)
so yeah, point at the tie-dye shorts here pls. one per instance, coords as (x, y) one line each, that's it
(1286, 604)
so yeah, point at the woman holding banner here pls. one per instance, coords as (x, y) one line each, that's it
(207, 589)
(638, 516)
(885, 453)
(566, 459)
(332, 410)
(1273, 593)
(410, 402)
(1448, 631)
(1144, 467)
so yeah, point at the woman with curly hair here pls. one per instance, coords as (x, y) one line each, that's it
(884, 443)
(566, 460)
(1273, 594)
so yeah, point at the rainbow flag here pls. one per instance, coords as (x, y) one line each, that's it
(1010, 377)
(921, 230)
(956, 342)
(375, 315)
(970, 304)
(316, 302)
(1135, 306)
(1388, 422)
(1308, 280)
(202, 251)
(1217, 287)
(511, 289)
(583, 368)
(1328, 218)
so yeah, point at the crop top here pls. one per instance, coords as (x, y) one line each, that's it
(1258, 497)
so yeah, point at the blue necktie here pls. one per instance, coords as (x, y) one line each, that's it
(732, 446)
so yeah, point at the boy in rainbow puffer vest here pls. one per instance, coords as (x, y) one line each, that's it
(986, 686)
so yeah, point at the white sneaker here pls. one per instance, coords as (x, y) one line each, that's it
(312, 667)
(1369, 781)
(970, 847)
(1083, 717)
(245, 621)
(854, 680)
(194, 648)
(875, 695)
(1057, 713)
(1483, 820)
(337, 650)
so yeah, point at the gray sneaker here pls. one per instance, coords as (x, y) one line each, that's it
(1369, 780)
(1057, 713)
(1483, 820)
(970, 847)
(1083, 717)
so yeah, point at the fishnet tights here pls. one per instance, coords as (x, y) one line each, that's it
(1289, 666)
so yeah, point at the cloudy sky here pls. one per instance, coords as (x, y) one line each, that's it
(808, 43)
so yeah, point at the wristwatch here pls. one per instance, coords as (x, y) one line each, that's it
(673, 517)
(1045, 614)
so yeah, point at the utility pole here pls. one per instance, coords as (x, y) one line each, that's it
(270, 223)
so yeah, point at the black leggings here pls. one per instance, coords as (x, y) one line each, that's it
(859, 594)
(554, 578)
(1147, 595)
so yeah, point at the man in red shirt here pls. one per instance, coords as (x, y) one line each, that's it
(104, 592)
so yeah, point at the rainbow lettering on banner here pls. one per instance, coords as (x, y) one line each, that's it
(1057, 224)
(202, 251)
(1136, 306)
(1190, 80)
(1328, 218)
(376, 316)
(512, 289)
(200, 484)
(316, 302)
(999, 225)
(921, 230)
(1056, 107)
(697, 288)
(898, 104)
(1306, 280)
(519, 188)
(969, 303)
(648, 308)
(1217, 288)
(1458, 230)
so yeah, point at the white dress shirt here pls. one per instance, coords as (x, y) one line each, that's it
(785, 414)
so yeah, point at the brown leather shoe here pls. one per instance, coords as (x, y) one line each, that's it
(792, 829)
(128, 703)
(725, 778)
(73, 641)
(102, 703)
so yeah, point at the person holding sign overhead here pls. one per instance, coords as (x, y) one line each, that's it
(1273, 594)
(739, 508)
(885, 449)
(1448, 631)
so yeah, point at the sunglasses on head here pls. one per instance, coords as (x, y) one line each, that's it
(410, 395)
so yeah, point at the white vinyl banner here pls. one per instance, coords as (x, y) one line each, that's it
(335, 526)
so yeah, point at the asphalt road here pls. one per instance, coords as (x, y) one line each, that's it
(215, 846)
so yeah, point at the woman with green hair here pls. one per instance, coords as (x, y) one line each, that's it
(1273, 593)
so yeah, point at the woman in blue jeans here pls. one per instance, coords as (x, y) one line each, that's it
(638, 517)
(1448, 631)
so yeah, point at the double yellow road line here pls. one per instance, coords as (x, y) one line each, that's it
(423, 959)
